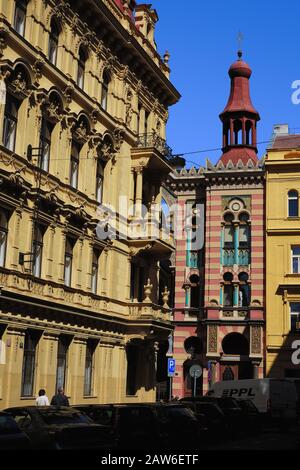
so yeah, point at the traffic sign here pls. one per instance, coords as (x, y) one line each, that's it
(171, 367)
(195, 371)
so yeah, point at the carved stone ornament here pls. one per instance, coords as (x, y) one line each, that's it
(37, 69)
(53, 110)
(165, 297)
(212, 339)
(81, 131)
(255, 339)
(148, 291)
(19, 84)
(119, 135)
(68, 93)
(3, 40)
(128, 109)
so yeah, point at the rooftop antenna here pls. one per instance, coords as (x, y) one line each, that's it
(240, 38)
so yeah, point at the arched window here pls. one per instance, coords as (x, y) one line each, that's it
(82, 58)
(10, 122)
(237, 132)
(74, 165)
(45, 144)
(28, 367)
(37, 251)
(3, 235)
(70, 242)
(293, 203)
(20, 16)
(228, 290)
(99, 181)
(95, 264)
(244, 290)
(249, 133)
(104, 93)
(53, 42)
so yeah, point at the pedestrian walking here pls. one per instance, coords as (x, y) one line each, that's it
(60, 399)
(42, 399)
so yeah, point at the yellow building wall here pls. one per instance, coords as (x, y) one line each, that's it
(282, 232)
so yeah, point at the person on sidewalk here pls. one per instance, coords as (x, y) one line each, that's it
(42, 399)
(60, 399)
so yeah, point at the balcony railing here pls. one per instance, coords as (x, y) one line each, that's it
(244, 257)
(192, 259)
(154, 141)
(228, 256)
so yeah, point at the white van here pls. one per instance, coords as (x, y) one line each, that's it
(276, 398)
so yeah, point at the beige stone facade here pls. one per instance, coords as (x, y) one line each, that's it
(84, 105)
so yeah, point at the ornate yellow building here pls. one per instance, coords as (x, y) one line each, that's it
(84, 104)
(282, 253)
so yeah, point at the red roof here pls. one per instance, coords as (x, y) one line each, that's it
(239, 99)
(288, 141)
(239, 153)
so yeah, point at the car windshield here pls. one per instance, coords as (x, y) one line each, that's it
(228, 403)
(179, 412)
(209, 410)
(64, 417)
(247, 405)
(8, 425)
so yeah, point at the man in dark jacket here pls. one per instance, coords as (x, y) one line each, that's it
(60, 399)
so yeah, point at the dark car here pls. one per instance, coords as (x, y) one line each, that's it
(232, 411)
(148, 425)
(251, 414)
(212, 419)
(51, 427)
(11, 436)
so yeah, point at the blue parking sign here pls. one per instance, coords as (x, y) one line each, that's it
(171, 367)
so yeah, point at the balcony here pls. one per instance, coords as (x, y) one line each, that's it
(243, 257)
(228, 256)
(143, 310)
(147, 233)
(154, 152)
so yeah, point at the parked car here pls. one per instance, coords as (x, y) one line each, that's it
(251, 414)
(276, 399)
(50, 427)
(11, 436)
(148, 425)
(230, 408)
(212, 419)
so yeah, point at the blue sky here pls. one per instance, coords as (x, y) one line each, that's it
(201, 37)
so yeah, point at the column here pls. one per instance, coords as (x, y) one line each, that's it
(139, 191)
(49, 271)
(244, 132)
(131, 196)
(236, 244)
(61, 263)
(231, 133)
(213, 372)
(255, 370)
(235, 295)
